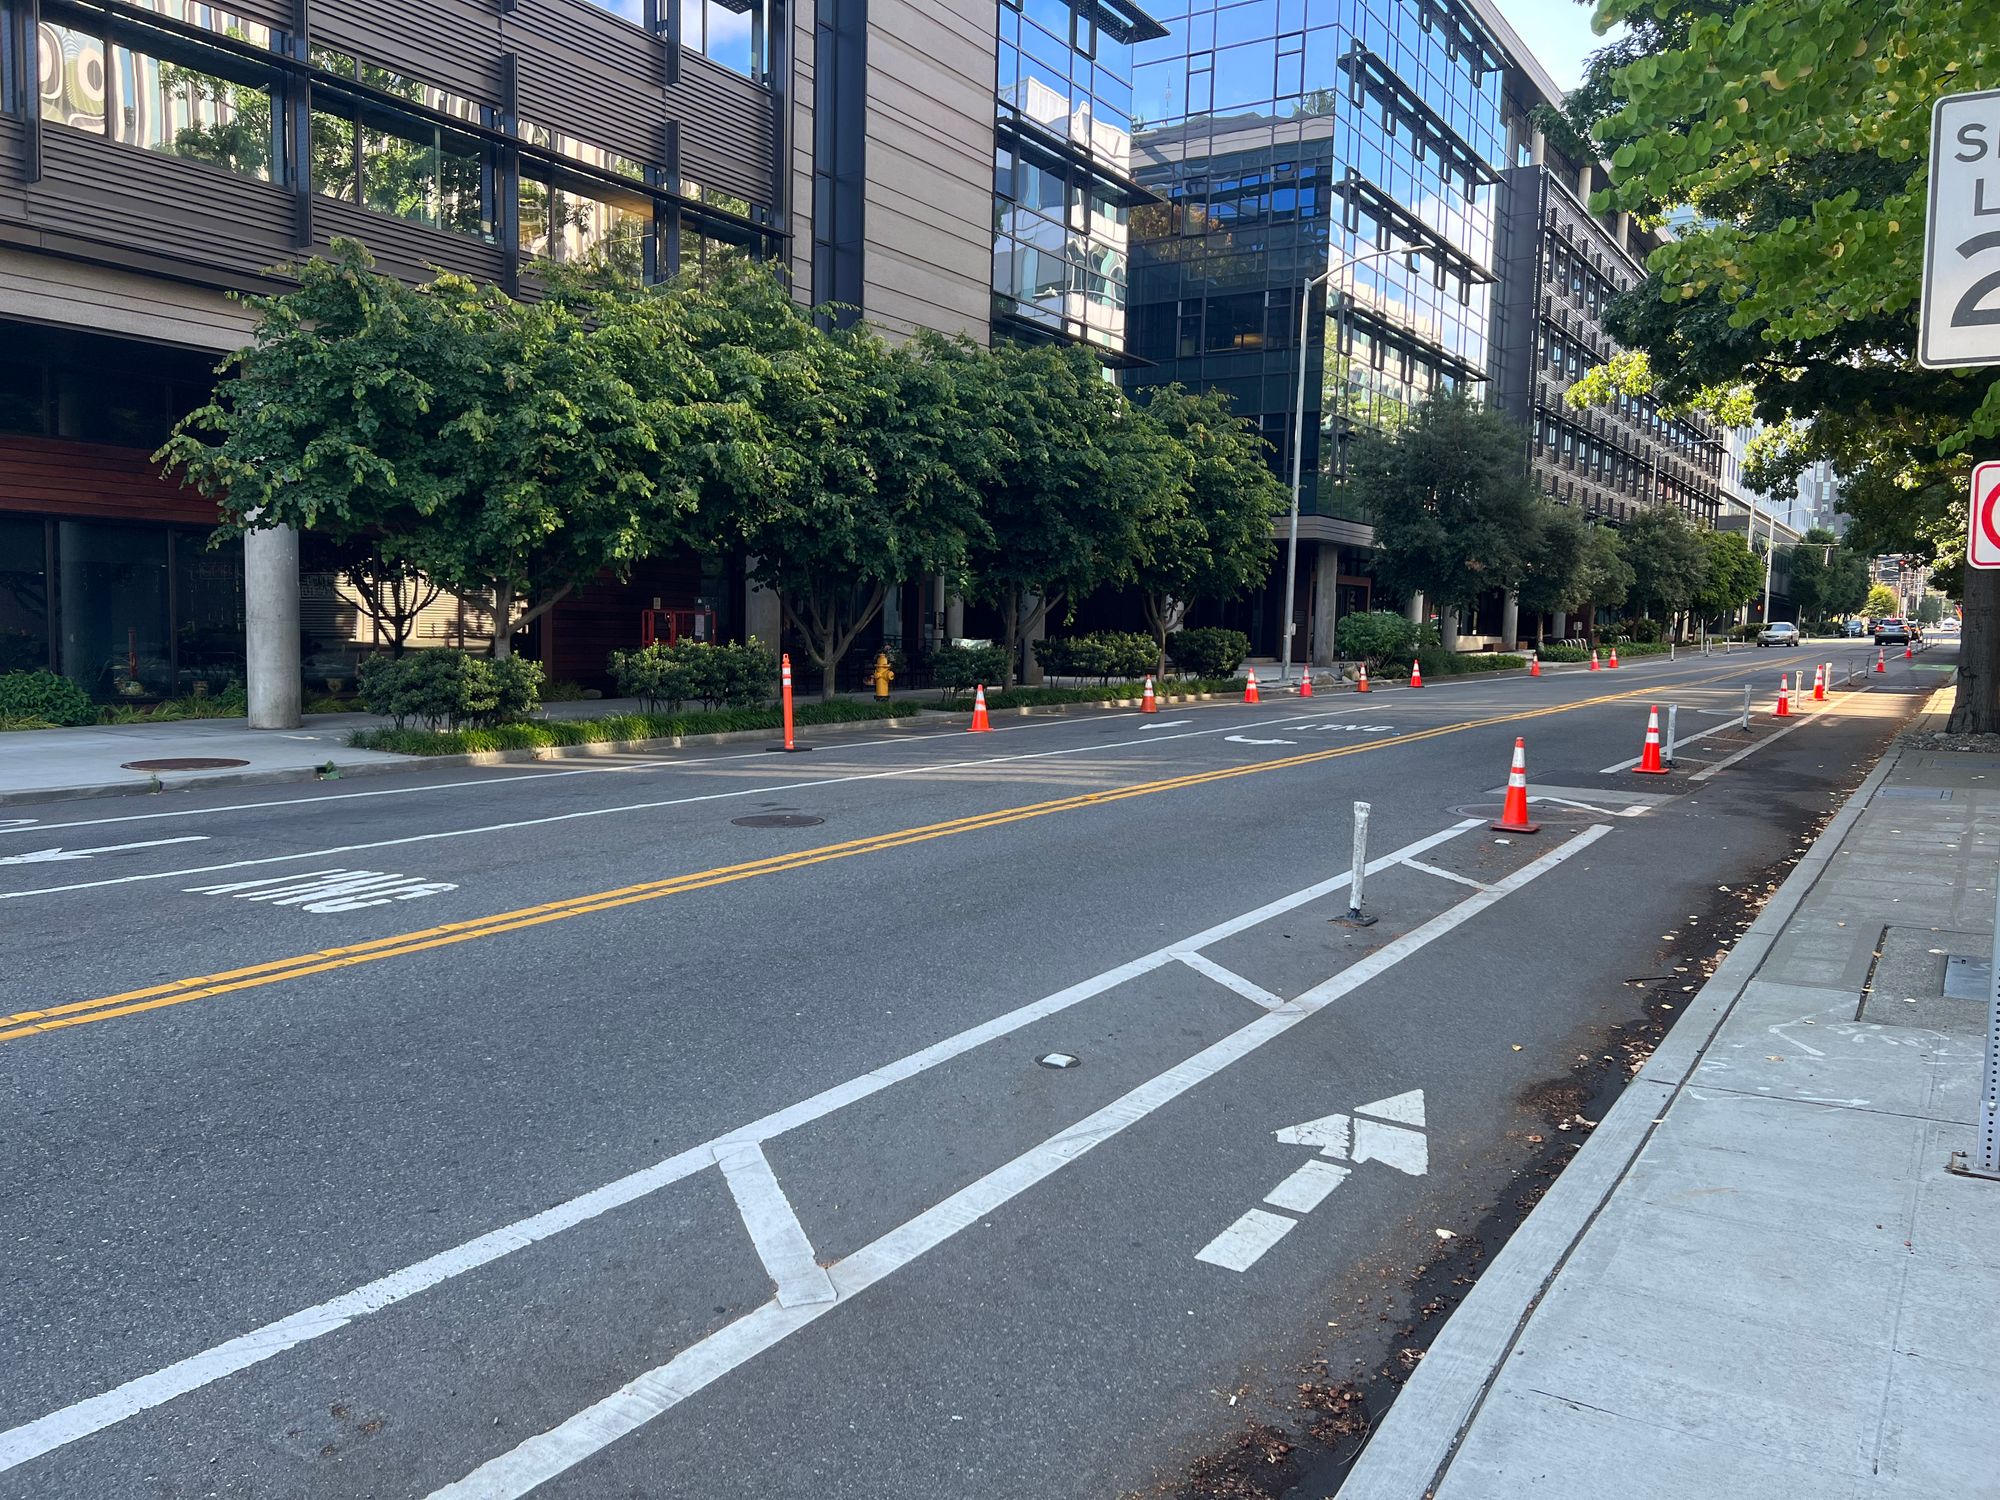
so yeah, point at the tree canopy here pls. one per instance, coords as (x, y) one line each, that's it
(1453, 507)
(1668, 558)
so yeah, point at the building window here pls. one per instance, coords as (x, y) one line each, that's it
(732, 34)
(379, 158)
(159, 92)
(570, 224)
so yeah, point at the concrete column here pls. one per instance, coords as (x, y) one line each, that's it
(954, 618)
(271, 626)
(1510, 623)
(1326, 597)
(1031, 668)
(1538, 148)
(1556, 623)
(1448, 629)
(1415, 612)
(762, 618)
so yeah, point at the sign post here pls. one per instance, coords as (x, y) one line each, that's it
(1959, 321)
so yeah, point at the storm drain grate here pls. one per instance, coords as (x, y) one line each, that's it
(1916, 793)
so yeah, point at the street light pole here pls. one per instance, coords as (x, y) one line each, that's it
(1298, 455)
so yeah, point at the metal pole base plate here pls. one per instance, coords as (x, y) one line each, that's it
(1353, 919)
(1960, 1165)
(787, 749)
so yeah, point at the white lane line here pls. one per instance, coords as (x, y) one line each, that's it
(1417, 864)
(1752, 748)
(1307, 1188)
(927, 769)
(548, 1454)
(1242, 1244)
(144, 1392)
(1256, 994)
(773, 1224)
(1686, 739)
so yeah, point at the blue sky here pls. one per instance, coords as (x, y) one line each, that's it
(1556, 31)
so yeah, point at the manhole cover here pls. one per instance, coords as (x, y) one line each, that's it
(778, 820)
(186, 763)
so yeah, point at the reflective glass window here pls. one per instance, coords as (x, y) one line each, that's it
(735, 38)
(24, 595)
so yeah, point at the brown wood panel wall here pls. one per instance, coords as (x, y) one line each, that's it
(51, 477)
(143, 200)
(402, 248)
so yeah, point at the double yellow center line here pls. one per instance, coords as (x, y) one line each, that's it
(326, 960)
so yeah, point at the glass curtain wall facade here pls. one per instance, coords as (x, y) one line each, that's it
(1063, 190)
(1292, 139)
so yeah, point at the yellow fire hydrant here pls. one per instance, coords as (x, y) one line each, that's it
(884, 675)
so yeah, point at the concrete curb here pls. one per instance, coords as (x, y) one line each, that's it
(1416, 1441)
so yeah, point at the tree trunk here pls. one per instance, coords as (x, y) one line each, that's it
(1010, 616)
(1976, 710)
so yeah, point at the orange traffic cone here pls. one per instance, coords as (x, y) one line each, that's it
(1614, 658)
(1534, 663)
(1149, 704)
(1881, 660)
(1819, 684)
(1593, 658)
(980, 723)
(1649, 758)
(1306, 684)
(1907, 653)
(1250, 689)
(1514, 814)
(1416, 675)
(1362, 685)
(1784, 709)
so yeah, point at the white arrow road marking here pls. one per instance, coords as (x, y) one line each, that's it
(1331, 1132)
(1391, 1145)
(53, 856)
(1341, 1138)
(1244, 739)
(1408, 1108)
(1242, 1244)
(1307, 1188)
(1166, 723)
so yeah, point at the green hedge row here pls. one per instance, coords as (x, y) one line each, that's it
(538, 733)
(1438, 662)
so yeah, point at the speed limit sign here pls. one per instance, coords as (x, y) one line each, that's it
(1982, 523)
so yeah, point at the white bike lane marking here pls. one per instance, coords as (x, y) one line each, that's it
(145, 1392)
(533, 1463)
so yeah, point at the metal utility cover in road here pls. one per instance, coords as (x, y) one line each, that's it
(1959, 322)
(1982, 523)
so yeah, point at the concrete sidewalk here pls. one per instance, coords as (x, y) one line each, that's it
(1758, 1277)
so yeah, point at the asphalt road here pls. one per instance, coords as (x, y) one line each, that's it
(678, 1127)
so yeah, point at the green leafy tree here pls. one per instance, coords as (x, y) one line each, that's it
(1797, 136)
(500, 448)
(1209, 536)
(1453, 507)
(1555, 579)
(1669, 562)
(1732, 575)
(1607, 577)
(877, 491)
(1882, 602)
(1930, 609)
(1067, 481)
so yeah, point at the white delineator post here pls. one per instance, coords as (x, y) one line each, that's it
(1361, 812)
(1673, 724)
(1746, 708)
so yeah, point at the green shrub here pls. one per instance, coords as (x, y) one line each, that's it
(956, 668)
(449, 688)
(1102, 654)
(1208, 652)
(1376, 636)
(1643, 630)
(663, 677)
(45, 696)
(1556, 651)
(612, 728)
(1438, 662)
